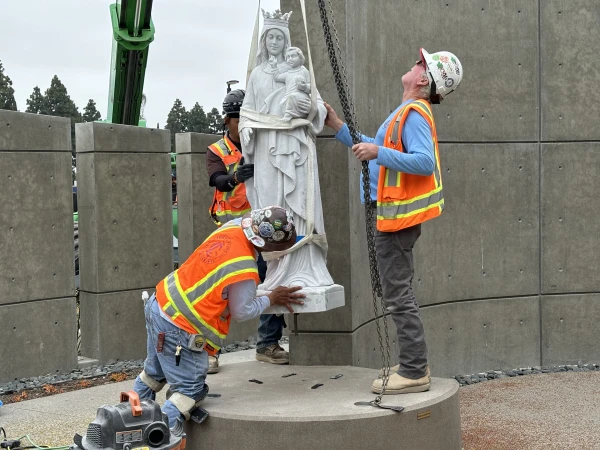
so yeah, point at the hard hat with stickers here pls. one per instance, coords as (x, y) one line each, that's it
(445, 73)
(270, 229)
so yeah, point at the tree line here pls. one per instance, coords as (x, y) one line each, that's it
(55, 101)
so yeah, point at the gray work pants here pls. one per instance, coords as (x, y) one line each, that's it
(396, 269)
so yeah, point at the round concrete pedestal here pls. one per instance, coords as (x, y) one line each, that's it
(286, 413)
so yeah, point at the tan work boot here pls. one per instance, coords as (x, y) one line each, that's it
(213, 364)
(399, 385)
(397, 367)
(273, 354)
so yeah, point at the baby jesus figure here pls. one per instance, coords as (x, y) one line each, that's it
(296, 79)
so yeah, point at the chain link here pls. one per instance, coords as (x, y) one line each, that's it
(341, 82)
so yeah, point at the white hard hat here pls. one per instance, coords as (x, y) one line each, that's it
(445, 73)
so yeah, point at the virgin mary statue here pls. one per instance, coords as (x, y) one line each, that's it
(285, 160)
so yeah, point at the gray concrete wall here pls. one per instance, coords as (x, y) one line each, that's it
(506, 277)
(125, 233)
(37, 285)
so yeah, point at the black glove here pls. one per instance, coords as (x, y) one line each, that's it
(244, 172)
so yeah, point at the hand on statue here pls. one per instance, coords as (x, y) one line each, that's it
(284, 296)
(332, 120)
(246, 133)
(365, 152)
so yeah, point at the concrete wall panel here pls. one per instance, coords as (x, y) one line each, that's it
(570, 329)
(486, 242)
(482, 335)
(113, 326)
(38, 338)
(195, 196)
(107, 137)
(36, 224)
(570, 228)
(315, 349)
(125, 219)
(568, 35)
(366, 349)
(24, 131)
(487, 38)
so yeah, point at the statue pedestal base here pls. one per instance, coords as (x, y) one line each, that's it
(318, 299)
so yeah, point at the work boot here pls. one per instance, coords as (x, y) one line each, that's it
(397, 367)
(397, 384)
(213, 364)
(273, 354)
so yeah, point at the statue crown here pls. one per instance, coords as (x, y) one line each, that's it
(276, 18)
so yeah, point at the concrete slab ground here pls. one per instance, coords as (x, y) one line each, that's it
(279, 412)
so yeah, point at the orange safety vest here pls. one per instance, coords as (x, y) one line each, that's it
(195, 296)
(228, 205)
(404, 199)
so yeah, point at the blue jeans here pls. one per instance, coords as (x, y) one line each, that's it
(187, 378)
(270, 328)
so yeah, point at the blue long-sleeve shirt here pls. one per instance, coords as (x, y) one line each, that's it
(416, 137)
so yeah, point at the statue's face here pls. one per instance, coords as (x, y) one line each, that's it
(275, 42)
(293, 59)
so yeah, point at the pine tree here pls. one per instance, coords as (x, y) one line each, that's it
(7, 93)
(176, 121)
(58, 103)
(90, 113)
(197, 120)
(35, 102)
(215, 121)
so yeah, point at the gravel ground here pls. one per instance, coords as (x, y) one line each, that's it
(55, 379)
(549, 411)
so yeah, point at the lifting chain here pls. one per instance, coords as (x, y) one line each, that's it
(341, 82)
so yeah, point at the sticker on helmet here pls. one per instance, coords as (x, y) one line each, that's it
(255, 229)
(278, 235)
(249, 233)
(277, 224)
(267, 213)
(265, 229)
(247, 222)
(288, 226)
(449, 82)
(258, 241)
(444, 59)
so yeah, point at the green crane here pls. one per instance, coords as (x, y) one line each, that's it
(133, 31)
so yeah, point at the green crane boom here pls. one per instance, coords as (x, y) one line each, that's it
(133, 31)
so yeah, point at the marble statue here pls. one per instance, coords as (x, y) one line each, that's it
(281, 115)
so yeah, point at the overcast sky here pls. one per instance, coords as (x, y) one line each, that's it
(198, 46)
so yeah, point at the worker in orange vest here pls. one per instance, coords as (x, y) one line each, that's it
(188, 316)
(406, 190)
(227, 173)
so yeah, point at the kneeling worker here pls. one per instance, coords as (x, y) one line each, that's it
(188, 317)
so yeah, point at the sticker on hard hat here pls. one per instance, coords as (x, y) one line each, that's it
(141, 448)
(449, 82)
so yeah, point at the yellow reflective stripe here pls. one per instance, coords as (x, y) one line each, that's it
(219, 268)
(411, 200)
(412, 213)
(222, 279)
(171, 303)
(187, 302)
(220, 149)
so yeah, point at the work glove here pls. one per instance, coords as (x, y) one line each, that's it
(244, 172)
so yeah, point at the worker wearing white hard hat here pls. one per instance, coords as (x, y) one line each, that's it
(406, 190)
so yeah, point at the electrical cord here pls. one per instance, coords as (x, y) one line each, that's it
(32, 446)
